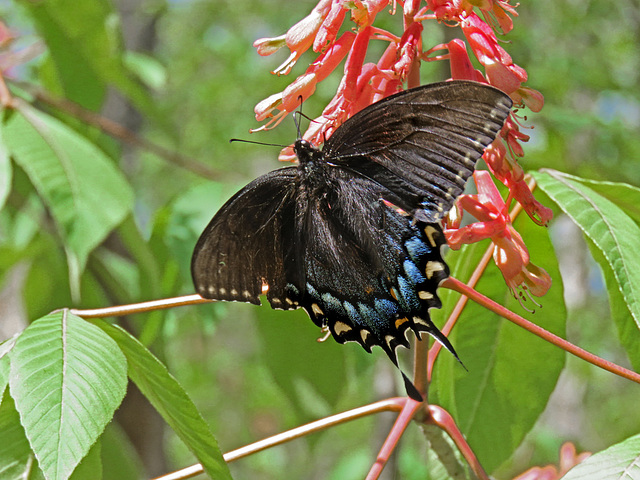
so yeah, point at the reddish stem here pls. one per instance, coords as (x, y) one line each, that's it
(486, 302)
(399, 426)
(441, 418)
(391, 404)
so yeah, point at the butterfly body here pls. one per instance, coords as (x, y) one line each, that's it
(351, 234)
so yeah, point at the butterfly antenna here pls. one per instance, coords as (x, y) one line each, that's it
(257, 143)
(296, 118)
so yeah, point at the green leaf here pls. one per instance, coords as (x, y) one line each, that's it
(170, 400)
(618, 462)
(67, 379)
(86, 48)
(5, 173)
(627, 330)
(5, 348)
(16, 459)
(91, 465)
(87, 196)
(610, 228)
(119, 458)
(511, 372)
(148, 69)
(444, 460)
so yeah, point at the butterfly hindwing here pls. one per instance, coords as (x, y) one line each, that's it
(421, 145)
(371, 272)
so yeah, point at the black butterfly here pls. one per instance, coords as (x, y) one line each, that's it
(351, 234)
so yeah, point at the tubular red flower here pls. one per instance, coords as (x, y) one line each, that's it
(460, 63)
(330, 26)
(264, 109)
(329, 60)
(531, 98)
(510, 253)
(408, 49)
(298, 38)
(267, 46)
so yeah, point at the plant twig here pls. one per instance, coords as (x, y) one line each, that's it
(120, 132)
(399, 426)
(388, 405)
(439, 417)
(121, 310)
(486, 302)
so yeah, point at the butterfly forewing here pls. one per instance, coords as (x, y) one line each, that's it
(245, 249)
(421, 145)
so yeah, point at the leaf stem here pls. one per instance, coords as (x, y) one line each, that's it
(486, 302)
(439, 417)
(407, 413)
(391, 404)
(142, 307)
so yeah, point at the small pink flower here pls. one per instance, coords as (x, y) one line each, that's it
(298, 38)
(511, 175)
(363, 12)
(500, 69)
(264, 109)
(267, 46)
(330, 26)
(510, 253)
(408, 49)
(531, 98)
(459, 61)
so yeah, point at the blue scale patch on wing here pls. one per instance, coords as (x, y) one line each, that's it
(396, 300)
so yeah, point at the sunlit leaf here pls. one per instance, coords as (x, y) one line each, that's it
(619, 462)
(16, 459)
(610, 228)
(170, 400)
(85, 193)
(609, 215)
(627, 330)
(67, 379)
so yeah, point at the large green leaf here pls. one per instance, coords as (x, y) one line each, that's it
(610, 227)
(67, 379)
(626, 327)
(511, 372)
(16, 459)
(86, 48)
(618, 462)
(170, 400)
(85, 193)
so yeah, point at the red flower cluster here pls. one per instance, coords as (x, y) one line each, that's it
(364, 83)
